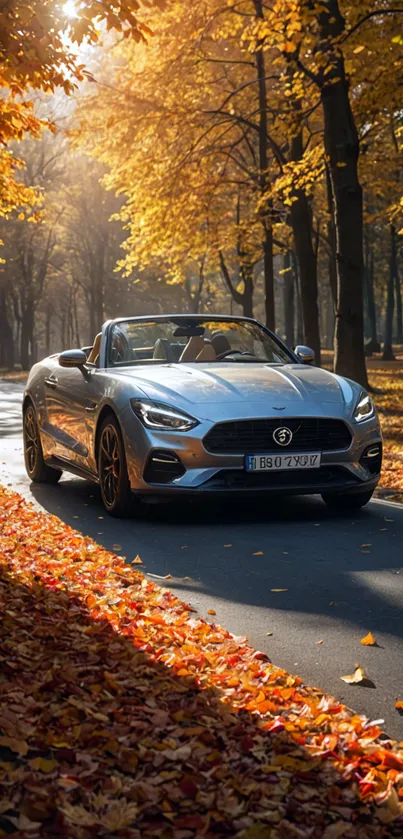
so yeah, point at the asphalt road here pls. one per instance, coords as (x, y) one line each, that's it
(343, 575)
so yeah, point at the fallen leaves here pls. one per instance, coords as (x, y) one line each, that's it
(122, 714)
(356, 678)
(18, 746)
(369, 640)
(211, 612)
(279, 589)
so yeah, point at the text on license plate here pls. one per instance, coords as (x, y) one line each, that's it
(273, 462)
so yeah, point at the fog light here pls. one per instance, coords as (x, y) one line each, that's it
(372, 459)
(163, 467)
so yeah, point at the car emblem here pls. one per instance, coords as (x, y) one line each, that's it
(282, 436)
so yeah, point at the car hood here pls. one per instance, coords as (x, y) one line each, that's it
(292, 387)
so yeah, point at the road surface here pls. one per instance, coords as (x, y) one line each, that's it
(343, 575)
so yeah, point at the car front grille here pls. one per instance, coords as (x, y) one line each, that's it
(254, 436)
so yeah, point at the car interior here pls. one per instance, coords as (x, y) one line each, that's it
(197, 348)
(173, 342)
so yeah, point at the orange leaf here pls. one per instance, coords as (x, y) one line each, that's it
(369, 640)
(211, 612)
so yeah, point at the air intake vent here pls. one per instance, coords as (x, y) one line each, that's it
(163, 467)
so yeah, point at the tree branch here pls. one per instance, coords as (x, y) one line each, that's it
(377, 13)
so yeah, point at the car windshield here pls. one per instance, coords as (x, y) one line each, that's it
(181, 341)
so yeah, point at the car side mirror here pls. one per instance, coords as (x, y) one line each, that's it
(305, 354)
(72, 358)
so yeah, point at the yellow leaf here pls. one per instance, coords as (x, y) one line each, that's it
(18, 746)
(359, 49)
(43, 764)
(258, 553)
(211, 612)
(341, 164)
(369, 640)
(279, 589)
(137, 561)
(357, 677)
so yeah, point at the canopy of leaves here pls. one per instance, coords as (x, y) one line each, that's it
(37, 52)
(186, 152)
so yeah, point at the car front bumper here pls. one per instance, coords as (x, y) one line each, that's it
(199, 472)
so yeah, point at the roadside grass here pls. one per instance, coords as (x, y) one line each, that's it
(122, 714)
(387, 380)
(13, 375)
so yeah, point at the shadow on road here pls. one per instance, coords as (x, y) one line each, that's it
(342, 567)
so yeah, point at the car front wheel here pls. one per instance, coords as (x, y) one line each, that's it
(352, 501)
(112, 470)
(37, 469)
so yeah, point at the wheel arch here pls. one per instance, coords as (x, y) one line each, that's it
(106, 411)
(27, 401)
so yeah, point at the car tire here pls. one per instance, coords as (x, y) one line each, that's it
(36, 467)
(112, 470)
(349, 501)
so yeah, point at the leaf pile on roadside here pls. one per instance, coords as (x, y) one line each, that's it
(123, 715)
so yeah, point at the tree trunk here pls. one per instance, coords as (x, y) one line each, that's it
(301, 218)
(329, 320)
(302, 230)
(6, 335)
(288, 297)
(373, 343)
(299, 324)
(388, 354)
(342, 151)
(247, 297)
(331, 235)
(268, 267)
(399, 336)
(27, 337)
(48, 321)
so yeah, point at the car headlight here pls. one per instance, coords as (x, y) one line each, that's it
(364, 408)
(162, 417)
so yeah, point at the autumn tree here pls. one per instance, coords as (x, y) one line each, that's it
(38, 52)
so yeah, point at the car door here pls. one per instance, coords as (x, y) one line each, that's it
(68, 403)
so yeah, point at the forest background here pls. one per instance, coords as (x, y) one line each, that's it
(213, 156)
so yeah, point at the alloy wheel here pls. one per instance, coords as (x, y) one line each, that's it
(31, 439)
(110, 464)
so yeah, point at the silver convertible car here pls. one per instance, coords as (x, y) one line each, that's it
(196, 405)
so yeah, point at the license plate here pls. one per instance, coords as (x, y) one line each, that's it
(278, 462)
